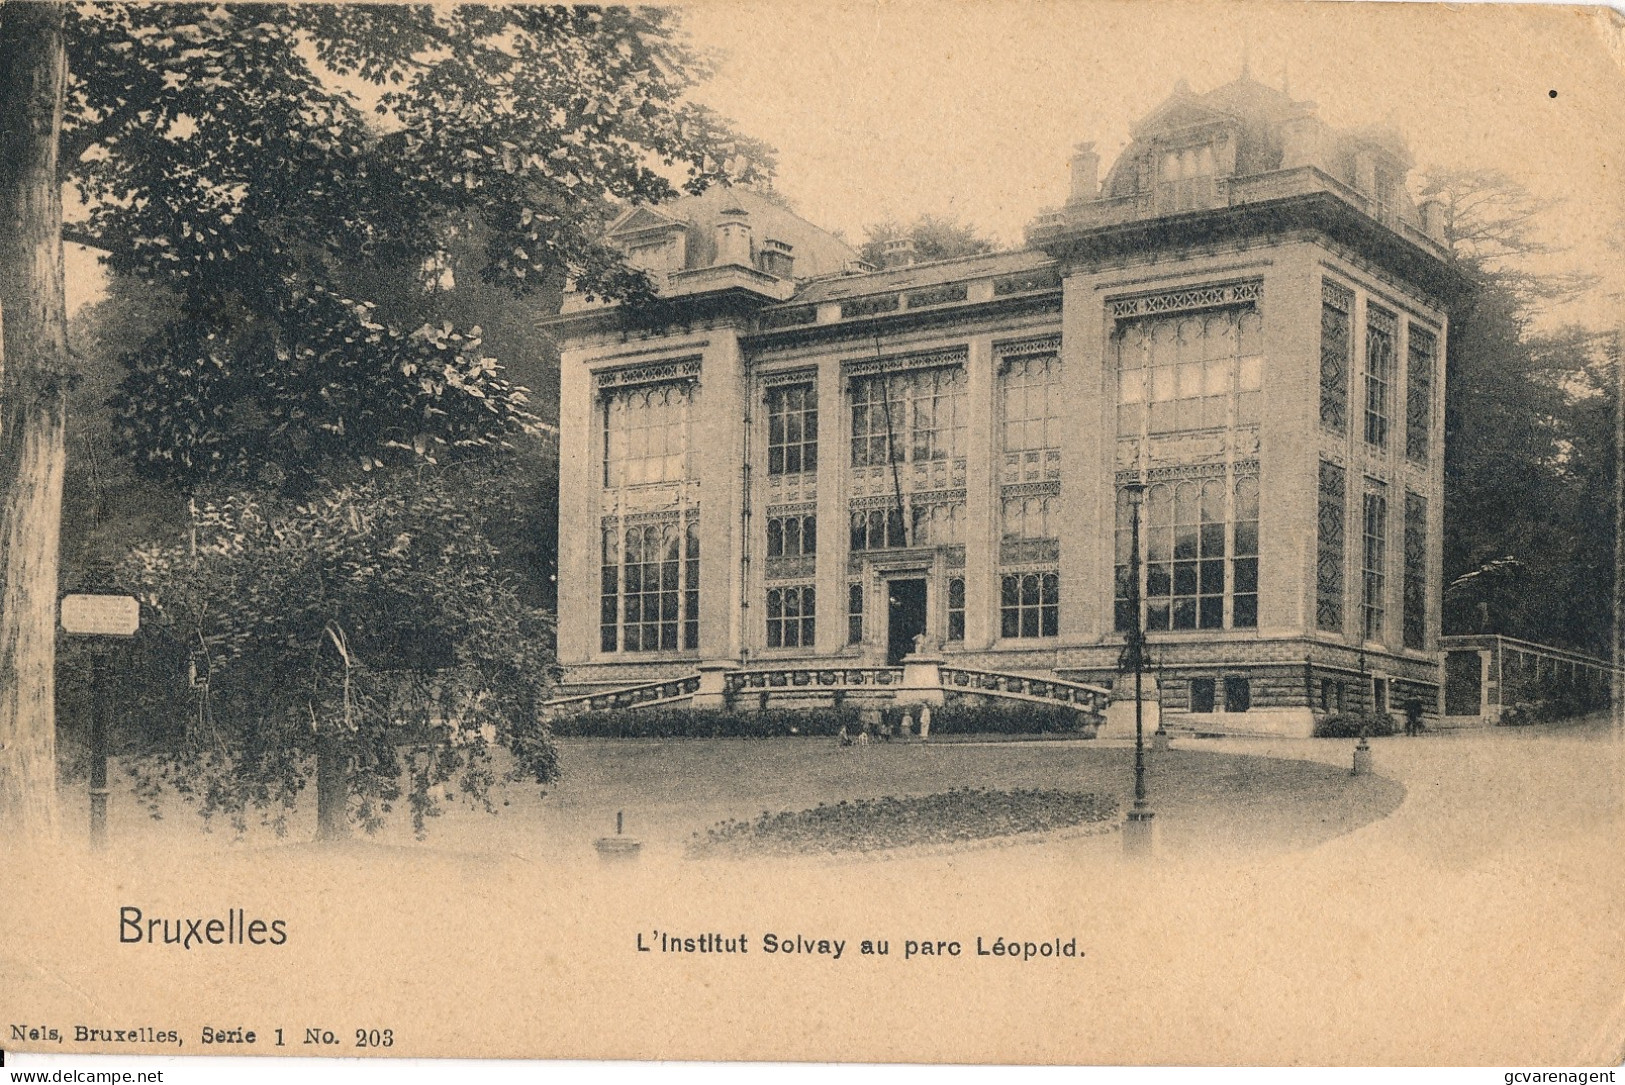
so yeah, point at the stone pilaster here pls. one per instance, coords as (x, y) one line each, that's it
(719, 457)
(981, 496)
(580, 489)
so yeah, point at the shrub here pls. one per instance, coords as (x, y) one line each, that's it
(1525, 713)
(707, 723)
(1353, 724)
(995, 718)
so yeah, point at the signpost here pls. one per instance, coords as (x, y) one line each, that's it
(99, 616)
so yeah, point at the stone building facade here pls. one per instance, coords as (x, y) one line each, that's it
(801, 458)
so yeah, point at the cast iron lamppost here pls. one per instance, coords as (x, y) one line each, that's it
(1139, 831)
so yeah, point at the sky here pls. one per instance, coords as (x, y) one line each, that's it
(885, 109)
(888, 109)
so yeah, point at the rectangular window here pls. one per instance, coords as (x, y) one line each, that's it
(1192, 372)
(1333, 695)
(877, 529)
(854, 614)
(790, 614)
(1202, 694)
(792, 429)
(956, 608)
(1032, 403)
(1244, 555)
(792, 536)
(1030, 605)
(1238, 694)
(1329, 549)
(1030, 517)
(691, 587)
(1199, 561)
(1336, 354)
(940, 523)
(915, 416)
(1381, 331)
(650, 588)
(1415, 616)
(1422, 358)
(1376, 558)
(646, 435)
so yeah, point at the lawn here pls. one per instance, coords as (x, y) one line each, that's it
(671, 789)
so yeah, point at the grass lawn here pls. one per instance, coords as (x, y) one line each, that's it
(671, 789)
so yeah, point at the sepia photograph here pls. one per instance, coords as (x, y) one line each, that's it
(1054, 532)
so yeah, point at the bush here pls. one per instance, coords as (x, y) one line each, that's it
(952, 817)
(1353, 724)
(707, 723)
(1525, 713)
(964, 718)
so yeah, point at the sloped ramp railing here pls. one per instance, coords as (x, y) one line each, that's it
(1027, 687)
(644, 695)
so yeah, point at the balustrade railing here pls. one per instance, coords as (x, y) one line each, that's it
(1026, 687)
(769, 682)
(830, 678)
(644, 695)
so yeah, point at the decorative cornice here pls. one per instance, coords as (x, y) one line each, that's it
(1030, 489)
(806, 374)
(914, 500)
(967, 315)
(1337, 295)
(929, 359)
(1191, 298)
(1010, 349)
(677, 369)
(1183, 472)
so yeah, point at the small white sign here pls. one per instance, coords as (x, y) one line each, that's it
(101, 615)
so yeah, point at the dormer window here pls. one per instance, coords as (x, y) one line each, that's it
(1185, 178)
(657, 255)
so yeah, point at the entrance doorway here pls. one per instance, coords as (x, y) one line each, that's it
(905, 617)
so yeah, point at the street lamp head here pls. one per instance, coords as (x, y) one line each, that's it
(1135, 492)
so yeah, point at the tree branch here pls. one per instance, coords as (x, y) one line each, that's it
(78, 236)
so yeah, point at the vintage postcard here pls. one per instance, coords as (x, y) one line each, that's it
(1042, 532)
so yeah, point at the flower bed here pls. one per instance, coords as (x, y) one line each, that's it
(866, 825)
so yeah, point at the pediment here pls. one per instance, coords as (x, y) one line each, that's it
(644, 219)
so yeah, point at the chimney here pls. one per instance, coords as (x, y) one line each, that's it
(733, 238)
(1433, 219)
(778, 258)
(1300, 141)
(1085, 174)
(899, 252)
(1365, 172)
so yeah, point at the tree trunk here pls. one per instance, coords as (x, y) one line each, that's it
(332, 791)
(33, 378)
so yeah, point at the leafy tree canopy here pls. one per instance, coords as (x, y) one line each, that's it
(376, 616)
(246, 155)
(1529, 452)
(935, 237)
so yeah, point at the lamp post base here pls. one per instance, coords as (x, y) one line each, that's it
(1362, 759)
(1159, 741)
(1140, 834)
